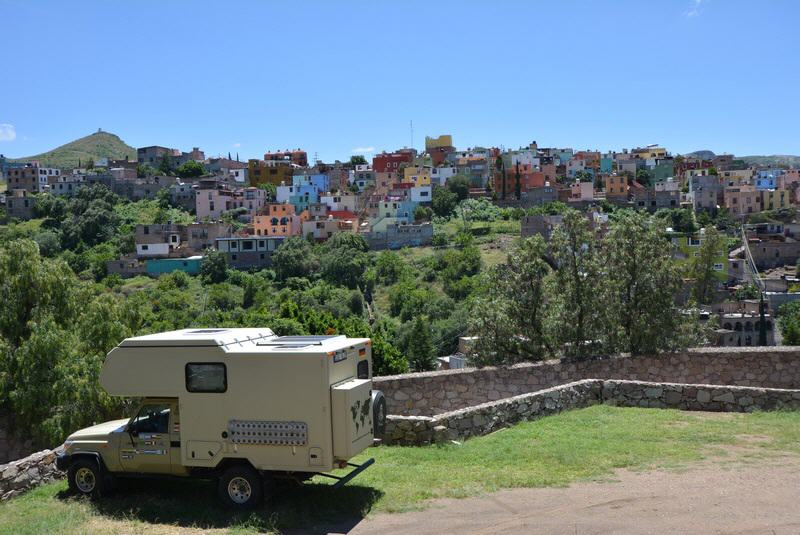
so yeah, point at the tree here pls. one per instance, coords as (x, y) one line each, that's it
(639, 283)
(517, 183)
(344, 259)
(191, 169)
(422, 213)
(702, 269)
(420, 349)
(510, 308)
(459, 184)
(358, 159)
(643, 177)
(295, 257)
(166, 165)
(214, 268)
(576, 285)
(443, 201)
(789, 322)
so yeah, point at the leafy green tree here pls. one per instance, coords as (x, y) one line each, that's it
(190, 169)
(789, 322)
(295, 257)
(640, 281)
(391, 267)
(459, 184)
(443, 201)
(49, 243)
(702, 265)
(510, 308)
(422, 213)
(214, 269)
(166, 165)
(576, 285)
(643, 177)
(358, 159)
(420, 350)
(344, 259)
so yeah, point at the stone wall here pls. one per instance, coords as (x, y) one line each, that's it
(18, 476)
(430, 393)
(488, 417)
(13, 446)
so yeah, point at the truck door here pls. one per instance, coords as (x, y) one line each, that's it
(146, 449)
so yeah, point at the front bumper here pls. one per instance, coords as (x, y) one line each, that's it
(63, 461)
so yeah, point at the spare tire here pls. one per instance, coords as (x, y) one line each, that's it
(378, 414)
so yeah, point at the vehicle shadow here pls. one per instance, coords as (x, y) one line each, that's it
(291, 508)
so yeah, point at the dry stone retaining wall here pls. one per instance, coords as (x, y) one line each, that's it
(488, 417)
(431, 393)
(18, 476)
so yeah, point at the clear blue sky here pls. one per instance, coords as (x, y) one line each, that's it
(250, 76)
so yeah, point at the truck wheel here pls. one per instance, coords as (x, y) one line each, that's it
(86, 478)
(240, 487)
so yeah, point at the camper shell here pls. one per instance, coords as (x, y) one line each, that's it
(280, 404)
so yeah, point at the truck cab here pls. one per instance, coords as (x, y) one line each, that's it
(242, 406)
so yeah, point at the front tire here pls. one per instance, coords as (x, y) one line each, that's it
(240, 487)
(86, 478)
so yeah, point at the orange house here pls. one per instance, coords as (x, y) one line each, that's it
(279, 219)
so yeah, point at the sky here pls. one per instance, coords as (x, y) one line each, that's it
(338, 78)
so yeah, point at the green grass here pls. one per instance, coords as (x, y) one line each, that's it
(580, 445)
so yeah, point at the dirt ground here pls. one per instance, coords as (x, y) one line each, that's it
(711, 498)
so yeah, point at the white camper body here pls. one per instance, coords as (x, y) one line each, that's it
(291, 403)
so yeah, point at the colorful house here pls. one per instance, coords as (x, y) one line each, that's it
(278, 219)
(160, 266)
(418, 176)
(687, 245)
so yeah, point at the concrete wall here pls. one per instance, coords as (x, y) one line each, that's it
(488, 417)
(430, 393)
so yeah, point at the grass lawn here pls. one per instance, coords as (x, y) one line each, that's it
(555, 451)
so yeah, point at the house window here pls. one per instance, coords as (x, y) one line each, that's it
(145, 247)
(211, 377)
(717, 267)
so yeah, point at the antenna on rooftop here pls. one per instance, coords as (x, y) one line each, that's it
(411, 125)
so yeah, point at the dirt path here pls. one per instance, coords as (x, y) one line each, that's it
(712, 498)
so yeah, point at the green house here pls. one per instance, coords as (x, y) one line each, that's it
(687, 245)
(160, 266)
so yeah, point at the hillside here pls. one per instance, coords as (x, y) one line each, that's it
(775, 160)
(94, 146)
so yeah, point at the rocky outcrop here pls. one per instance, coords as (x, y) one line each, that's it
(18, 476)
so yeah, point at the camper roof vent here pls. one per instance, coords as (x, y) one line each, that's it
(207, 331)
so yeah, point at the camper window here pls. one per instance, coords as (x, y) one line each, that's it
(151, 419)
(206, 377)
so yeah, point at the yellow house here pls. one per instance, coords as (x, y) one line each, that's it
(648, 153)
(437, 142)
(419, 176)
(775, 199)
(262, 172)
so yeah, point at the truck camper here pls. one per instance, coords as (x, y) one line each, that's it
(242, 406)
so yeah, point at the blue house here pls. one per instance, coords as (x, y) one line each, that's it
(160, 266)
(767, 179)
(320, 182)
(606, 165)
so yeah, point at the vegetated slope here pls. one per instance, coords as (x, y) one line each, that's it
(774, 160)
(704, 154)
(92, 147)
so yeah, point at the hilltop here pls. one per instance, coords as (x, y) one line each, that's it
(94, 146)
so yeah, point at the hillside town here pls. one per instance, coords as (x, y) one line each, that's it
(246, 210)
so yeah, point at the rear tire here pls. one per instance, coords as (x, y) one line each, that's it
(240, 487)
(86, 478)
